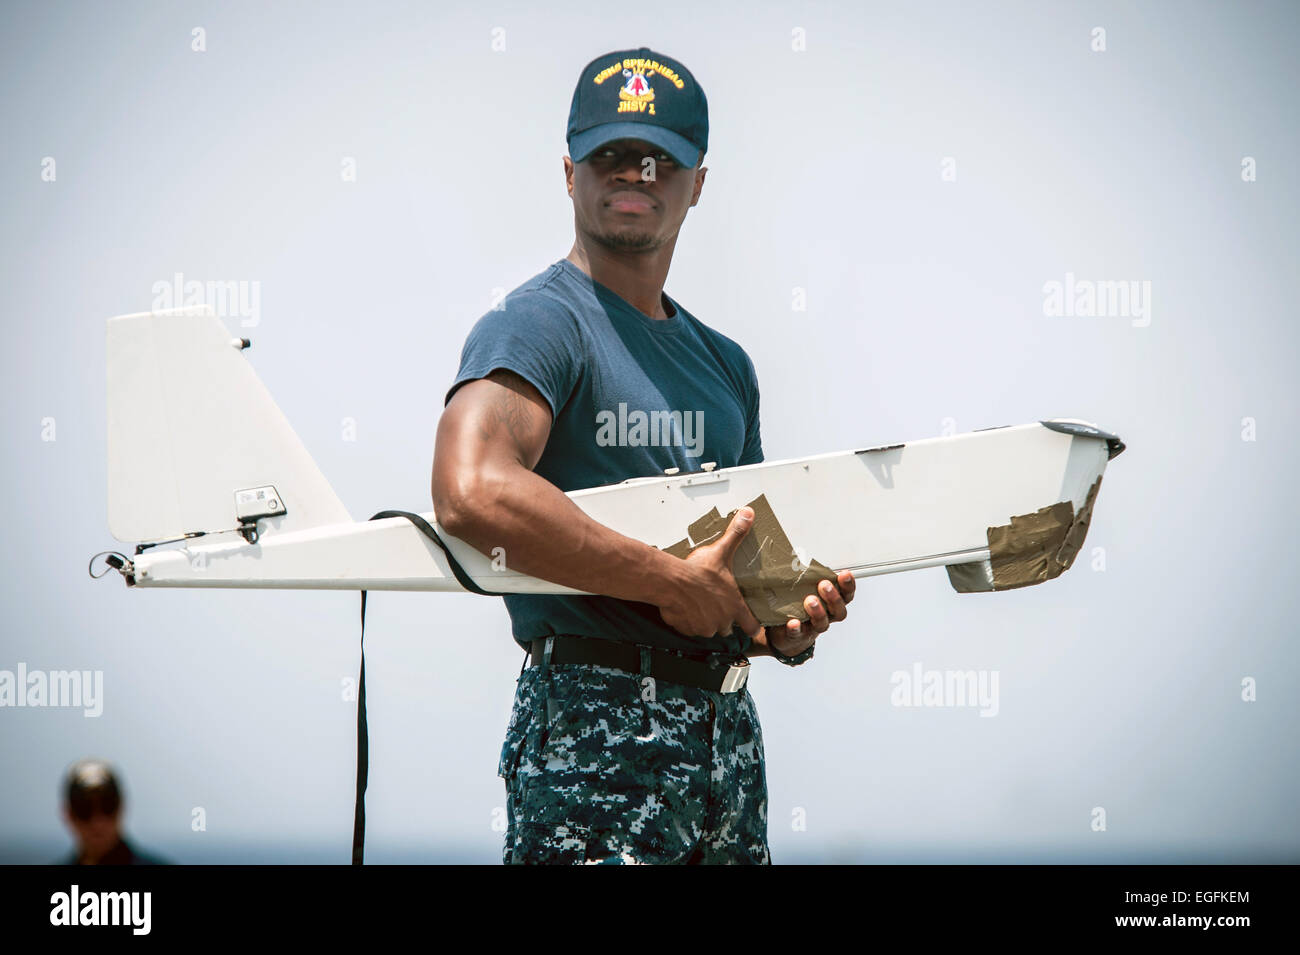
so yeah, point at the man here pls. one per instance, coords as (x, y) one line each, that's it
(92, 808)
(630, 739)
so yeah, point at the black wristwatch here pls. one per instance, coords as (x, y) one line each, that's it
(798, 658)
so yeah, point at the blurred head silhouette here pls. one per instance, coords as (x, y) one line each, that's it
(92, 808)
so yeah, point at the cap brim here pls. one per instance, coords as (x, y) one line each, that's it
(683, 151)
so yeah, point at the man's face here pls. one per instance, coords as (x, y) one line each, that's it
(96, 830)
(631, 196)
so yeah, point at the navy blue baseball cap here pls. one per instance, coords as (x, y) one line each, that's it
(639, 94)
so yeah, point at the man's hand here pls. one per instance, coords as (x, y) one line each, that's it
(706, 601)
(796, 636)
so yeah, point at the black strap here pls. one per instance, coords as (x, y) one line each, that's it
(363, 741)
(363, 752)
(462, 578)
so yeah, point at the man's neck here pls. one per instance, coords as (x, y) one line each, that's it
(116, 854)
(636, 277)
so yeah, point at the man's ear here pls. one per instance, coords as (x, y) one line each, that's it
(568, 175)
(699, 183)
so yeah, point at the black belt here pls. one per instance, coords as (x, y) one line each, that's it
(720, 675)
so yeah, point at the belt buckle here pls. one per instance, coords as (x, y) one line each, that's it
(736, 676)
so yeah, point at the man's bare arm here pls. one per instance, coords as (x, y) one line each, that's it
(490, 438)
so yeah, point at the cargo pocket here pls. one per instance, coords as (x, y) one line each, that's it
(516, 731)
(546, 843)
(539, 708)
(510, 750)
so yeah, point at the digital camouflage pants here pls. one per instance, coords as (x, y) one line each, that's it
(606, 766)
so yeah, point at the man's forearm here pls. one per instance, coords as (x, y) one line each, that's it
(544, 534)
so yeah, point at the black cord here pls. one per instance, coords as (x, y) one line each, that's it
(109, 565)
(363, 736)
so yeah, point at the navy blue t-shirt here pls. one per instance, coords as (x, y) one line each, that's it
(630, 396)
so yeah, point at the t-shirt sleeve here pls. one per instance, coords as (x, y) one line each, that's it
(753, 453)
(534, 337)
